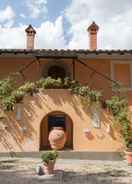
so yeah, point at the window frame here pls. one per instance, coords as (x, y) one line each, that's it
(114, 62)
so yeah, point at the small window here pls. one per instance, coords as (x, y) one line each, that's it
(121, 72)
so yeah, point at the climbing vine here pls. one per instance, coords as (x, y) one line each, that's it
(10, 94)
(119, 109)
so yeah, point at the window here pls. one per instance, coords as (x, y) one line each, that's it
(122, 73)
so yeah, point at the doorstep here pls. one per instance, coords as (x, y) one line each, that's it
(82, 155)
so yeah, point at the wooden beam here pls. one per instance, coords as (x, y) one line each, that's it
(73, 69)
(27, 66)
(98, 73)
(55, 57)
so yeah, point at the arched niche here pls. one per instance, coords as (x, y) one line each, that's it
(49, 121)
(57, 65)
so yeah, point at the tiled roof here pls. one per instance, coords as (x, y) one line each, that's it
(62, 53)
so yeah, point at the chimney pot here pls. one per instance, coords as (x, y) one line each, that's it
(30, 31)
(93, 29)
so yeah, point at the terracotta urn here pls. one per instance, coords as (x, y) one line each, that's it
(49, 168)
(57, 138)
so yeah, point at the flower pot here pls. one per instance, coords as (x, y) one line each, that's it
(49, 168)
(57, 138)
(128, 157)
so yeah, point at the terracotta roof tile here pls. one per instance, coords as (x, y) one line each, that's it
(62, 52)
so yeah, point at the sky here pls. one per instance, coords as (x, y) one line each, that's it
(62, 24)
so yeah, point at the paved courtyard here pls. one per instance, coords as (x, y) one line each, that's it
(22, 171)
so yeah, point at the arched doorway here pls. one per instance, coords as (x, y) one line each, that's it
(57, 72)
(56, 119)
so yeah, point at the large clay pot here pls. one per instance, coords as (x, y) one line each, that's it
(128, 157)
(57, 138)
(49, 168)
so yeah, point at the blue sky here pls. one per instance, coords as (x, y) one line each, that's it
(63, 23)
(54, 8)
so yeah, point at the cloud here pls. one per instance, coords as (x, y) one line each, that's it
(36, 7)
(22, 15)
(113, 17)
(7, 14)
(12, 37)
(49, 35)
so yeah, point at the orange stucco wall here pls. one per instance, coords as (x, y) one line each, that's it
(37, 107)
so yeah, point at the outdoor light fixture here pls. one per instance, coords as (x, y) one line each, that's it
(95, 117)
(18, 111)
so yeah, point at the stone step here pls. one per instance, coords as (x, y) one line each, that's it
(82, 155)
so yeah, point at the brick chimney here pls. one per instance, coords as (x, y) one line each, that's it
(93, 29)
(30, 31)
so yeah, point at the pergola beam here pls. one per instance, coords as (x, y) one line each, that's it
(74, 60)
(98, 73)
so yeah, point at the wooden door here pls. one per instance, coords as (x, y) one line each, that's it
(44, 134)
(69, 133)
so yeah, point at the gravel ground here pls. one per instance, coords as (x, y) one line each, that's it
(22, 171)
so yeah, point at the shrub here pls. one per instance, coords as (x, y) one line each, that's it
(28, 87)
(118, 106)
(50, 83)
(8, 103)
(39, 83)
(66, 83)
(48, 156)
(6, 87)
(18, 95)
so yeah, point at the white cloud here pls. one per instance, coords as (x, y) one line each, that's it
(13, 37)
(49, 35)
(7, 14)
(8, 24)
(113, 17)
(36, 7)
(22, 15)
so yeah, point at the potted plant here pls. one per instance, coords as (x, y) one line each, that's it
(126, 132)
(18, 95)
(49, 159)
(128, 144)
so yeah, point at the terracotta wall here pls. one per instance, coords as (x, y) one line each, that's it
(37, 70)
(17, 138)
(24, 135)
